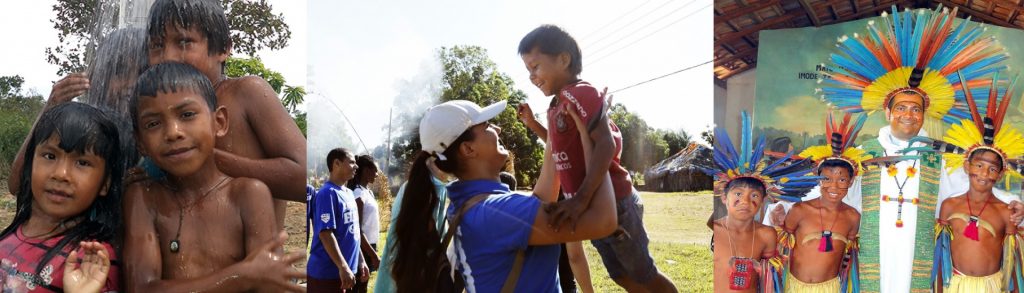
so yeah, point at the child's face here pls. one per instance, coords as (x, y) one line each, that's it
(178, 131)
(983, 169)
(65, 184)
(835, 184)
(346, 167)
(743, 202)
(187, 46)
(548, 73)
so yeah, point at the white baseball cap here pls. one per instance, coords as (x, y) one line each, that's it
(442, 124)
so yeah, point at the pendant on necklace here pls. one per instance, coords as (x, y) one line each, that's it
(825, 245)
(971, 231)
(742, 273)
(175, 245)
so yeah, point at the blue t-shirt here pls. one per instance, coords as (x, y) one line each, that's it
(490, 233)
(334, 208)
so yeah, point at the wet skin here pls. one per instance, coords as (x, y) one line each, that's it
(263, 142)
(222, 219)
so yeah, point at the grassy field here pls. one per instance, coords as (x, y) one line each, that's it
(675, 223)
(679, 242)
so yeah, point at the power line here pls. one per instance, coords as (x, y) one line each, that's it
(660, 77)
(630, 23)
(608, 45)
(584, 38)
(648, 35)
(353, 126)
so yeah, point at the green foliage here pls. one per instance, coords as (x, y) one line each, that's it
(708, 136)
(239, 67)
(254, 26)
(676, 141)
(469, 74)
(642, 146)
(80, 23)
(18, 110)
(291, 96)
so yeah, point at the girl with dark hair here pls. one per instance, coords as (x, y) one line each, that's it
(369, 219)
(69, 198)
(501, 239)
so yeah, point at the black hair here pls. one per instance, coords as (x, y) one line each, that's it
(978, 150)
(365, 164)
(747, 182)
(508, 179)
(80, 128)
(892, 101)
(335, 154)
(119, 60)
(170, 78)
(553, 40)
(206, 16)
(417, 240)
(832, 163)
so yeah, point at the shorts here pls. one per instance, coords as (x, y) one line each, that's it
(794, 285)
(625, 253)
(964, 283)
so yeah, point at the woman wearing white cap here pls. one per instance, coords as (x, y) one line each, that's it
(502, 241)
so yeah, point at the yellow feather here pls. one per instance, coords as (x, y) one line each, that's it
(940, 92)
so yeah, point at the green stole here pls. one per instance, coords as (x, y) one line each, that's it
(924, 245)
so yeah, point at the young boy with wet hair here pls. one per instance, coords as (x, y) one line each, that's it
(197, 228)
(554, 62)
(263, 142)
(741, 243)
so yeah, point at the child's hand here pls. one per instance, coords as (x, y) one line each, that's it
(271, 269)
(778, 216)
(71, 86)
(1017, 210)
(566, 212)
(135, 174)
(364, 272)
(91, 275)
(526, 114)
(348, 279)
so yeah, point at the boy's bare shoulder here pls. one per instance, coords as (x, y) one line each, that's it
(850, 211)
(248, 86)
(765, 233)
(244, 189)
(145, 190)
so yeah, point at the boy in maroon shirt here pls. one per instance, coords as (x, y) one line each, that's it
(554, 61)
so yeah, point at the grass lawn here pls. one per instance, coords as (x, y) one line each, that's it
(675, 223)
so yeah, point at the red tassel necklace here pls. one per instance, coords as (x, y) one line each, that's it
(825, 245)
(971, 231)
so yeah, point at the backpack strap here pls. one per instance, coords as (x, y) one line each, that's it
(513, 276)
(456, 219)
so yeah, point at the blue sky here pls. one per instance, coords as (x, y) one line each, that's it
(360, 53)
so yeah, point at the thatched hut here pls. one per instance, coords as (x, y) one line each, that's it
(679, 172)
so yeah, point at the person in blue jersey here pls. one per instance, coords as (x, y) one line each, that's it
(334, 259)
(501, 238)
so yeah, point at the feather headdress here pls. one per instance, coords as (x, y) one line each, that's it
(785, 178)
(913, 51)
(981, 131)
(841, 147)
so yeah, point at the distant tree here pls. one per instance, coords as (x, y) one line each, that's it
(642, 146)
(18, 110)
(80, 24)
(676, 140)
(291, 96)
(469, 74)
